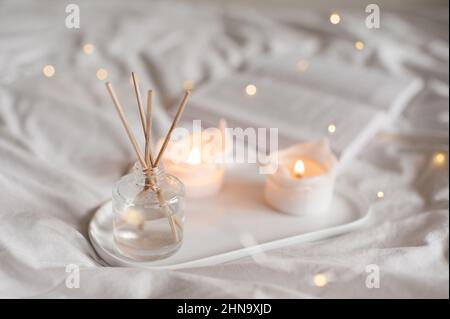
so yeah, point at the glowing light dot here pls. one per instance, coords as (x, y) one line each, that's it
(320, 280)
(380, 194)
(359, 45)
(302, 65)
(188, 85)
(101, 74)
(250, 89)
(331, 128)
(335, 18)
(88, 48)
(48, 70)
(439, 158)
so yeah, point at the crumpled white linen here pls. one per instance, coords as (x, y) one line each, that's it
(62, 145)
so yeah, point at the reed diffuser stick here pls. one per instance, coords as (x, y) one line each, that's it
(172, 127)
(119, 109)
(149, 158)
(139, 102)
(148, 137)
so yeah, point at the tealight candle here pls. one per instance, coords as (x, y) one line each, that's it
(303, 182)
(314, 168)
(199, 178)
(201, 168)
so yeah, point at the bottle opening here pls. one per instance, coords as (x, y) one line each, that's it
(148, 176)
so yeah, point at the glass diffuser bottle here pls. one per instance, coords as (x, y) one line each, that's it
(148, 204)
(148, 207)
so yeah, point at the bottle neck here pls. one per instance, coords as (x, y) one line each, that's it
(149, 176)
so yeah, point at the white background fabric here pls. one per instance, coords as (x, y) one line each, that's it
(62, 145)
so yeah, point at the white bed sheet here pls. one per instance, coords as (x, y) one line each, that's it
(62, 146)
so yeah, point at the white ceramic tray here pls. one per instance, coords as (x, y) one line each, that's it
(236, 223)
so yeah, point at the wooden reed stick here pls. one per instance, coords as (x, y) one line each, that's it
(172, 127)
(153, 182)
(149, 159)
(148, 136)
(173, 219)
(119, 109)
(139, 102)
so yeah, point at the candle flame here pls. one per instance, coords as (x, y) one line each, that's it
(194, 156)
(299, 168)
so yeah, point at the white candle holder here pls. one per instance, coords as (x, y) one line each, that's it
(200, 180)
(198, 160)
(310, 194)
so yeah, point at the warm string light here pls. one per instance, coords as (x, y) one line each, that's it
(88, 48)
(250, 89)
(320, 280)
(359, 45)
(335, 18)
(439, 159)
(380, 194)
(48, 70)
(101, 74)
(331, 128)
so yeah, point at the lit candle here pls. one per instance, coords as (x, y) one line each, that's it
(299, 169)
(201, 168)
(306, 167)
(194, 157)
(303, 182)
